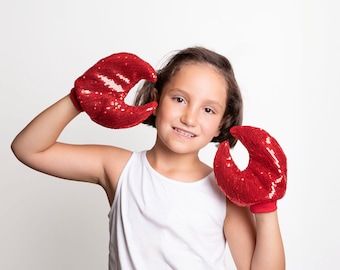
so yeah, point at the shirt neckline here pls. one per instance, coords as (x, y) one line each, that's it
(174, 181)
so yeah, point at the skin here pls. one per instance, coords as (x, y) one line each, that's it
(188, 117)
(186, 120)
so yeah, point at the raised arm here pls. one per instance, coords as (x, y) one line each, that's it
(100, 92)
(254, 240)
(253, 232)
(269, 250)
(37, 146)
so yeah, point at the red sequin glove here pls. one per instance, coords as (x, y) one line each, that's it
(264, 181)
(101, 91)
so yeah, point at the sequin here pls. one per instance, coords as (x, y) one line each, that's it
(102, 89)
(264, 179)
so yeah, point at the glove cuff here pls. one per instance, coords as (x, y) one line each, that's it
(263, 207)
(75, 100)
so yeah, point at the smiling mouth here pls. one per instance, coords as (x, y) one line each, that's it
(184, 133)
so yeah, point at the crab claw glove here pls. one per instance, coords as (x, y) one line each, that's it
(264, 181)
(101, 91)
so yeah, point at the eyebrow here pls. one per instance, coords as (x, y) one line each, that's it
(210, 101)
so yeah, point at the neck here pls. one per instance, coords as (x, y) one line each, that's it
(185, 167)
(160, 152)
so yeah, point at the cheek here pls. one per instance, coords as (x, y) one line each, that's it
(162, 115)
(217, 131)
(218, 125)
(212, 127)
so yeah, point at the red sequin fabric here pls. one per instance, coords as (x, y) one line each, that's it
(265, 178)
(101, 90)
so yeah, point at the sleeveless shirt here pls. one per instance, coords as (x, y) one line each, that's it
(157, 223)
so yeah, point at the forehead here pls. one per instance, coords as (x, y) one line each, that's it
(203, 82)
(200, 75)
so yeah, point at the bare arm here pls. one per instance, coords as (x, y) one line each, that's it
(240, 233)
(42, 132)
(269, 251)
(255, 243)
(37, 147)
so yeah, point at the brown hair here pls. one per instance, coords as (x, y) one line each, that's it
(234, 110)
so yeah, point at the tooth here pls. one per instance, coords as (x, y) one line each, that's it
(184, 133)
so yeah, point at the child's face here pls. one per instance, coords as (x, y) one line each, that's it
(191, 108)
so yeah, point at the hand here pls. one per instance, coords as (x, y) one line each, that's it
(264, 181)
(101, 91)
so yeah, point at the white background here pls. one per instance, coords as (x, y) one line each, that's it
(286, 57)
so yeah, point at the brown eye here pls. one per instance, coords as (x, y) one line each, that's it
(209, 110)
(179, 99)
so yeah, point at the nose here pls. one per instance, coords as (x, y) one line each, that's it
(189, 117)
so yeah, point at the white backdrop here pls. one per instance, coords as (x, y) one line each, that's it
(286, 57)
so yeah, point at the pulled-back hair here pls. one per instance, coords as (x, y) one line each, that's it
(234, 110)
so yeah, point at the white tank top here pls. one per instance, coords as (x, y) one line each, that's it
(157, 223)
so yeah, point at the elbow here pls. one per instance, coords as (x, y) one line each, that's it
(18, 151)
(15, 149)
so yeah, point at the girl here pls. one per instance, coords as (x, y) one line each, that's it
(167, 211)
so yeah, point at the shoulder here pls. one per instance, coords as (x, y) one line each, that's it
(114, 160)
